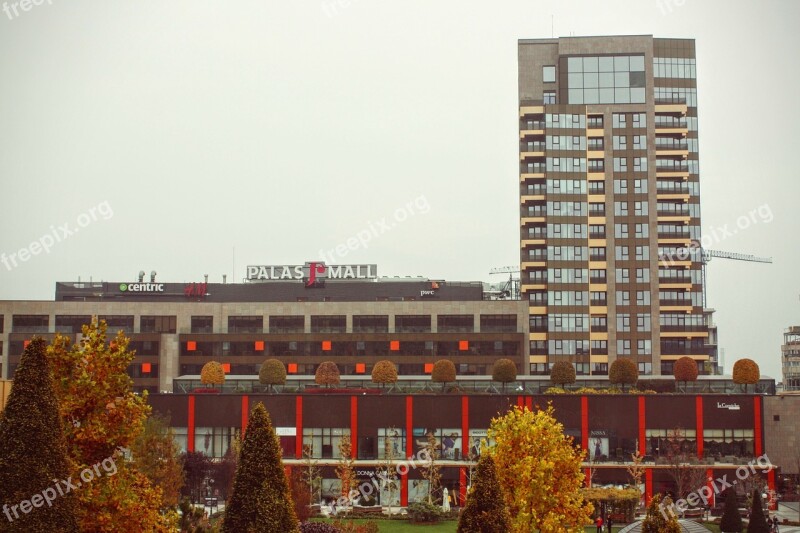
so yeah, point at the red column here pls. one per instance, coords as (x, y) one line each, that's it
(642, 425)
(648, 485)
(409, 426)
(710, 485)
(298, 425)
(584, 422)
(587, 473)
(698, 408)
(462, 486)
(190, 429)
(759, 447)
(245, 413)
(771, 485)
(520, 401)
(529, 403)
(464, 426)
(409, 449)
(354, 426)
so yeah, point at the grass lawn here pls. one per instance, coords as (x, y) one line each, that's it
(401, 526)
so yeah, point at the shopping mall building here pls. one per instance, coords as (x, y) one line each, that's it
(356, 321)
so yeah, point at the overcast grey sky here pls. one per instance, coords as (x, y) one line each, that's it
(284, 128)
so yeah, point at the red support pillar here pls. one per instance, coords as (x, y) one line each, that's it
(771, 486)
(529, 403)
(298, 426)
(520, 401)
(759, 446)
(585, 422)
(648, 485)
(698, 408)
(409, 426)
(409, 449)
(190, 423)
(354, 426)
(245, 413)
(642, 426)
(464, 426)
(710, 485)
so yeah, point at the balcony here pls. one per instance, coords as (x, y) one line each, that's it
(531, 125)
(594, 212)
(671, 100)
(597, 187)
(598, 280)
(534, 190)
(682, 279)
(670, 144)
(673, 235)
(597, 166)
(666, 123)
(673, 212)
(594, 123)
(672, 188)
(597, 257)
(532, 147)
(597, 234)
(672, 303)
(672, 168)
(533, 168)
(534, 211)
(600, 303)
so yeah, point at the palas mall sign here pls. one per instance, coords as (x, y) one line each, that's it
(311, 273)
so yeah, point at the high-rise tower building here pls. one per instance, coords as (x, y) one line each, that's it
(610, 203)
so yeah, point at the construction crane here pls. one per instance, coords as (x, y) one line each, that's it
(707, 255)
(511, 288)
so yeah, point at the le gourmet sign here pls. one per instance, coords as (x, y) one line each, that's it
(310, 272)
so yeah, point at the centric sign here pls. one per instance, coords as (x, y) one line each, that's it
(141, 287)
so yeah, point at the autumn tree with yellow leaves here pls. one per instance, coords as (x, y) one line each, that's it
(102, 416)
(539, 468)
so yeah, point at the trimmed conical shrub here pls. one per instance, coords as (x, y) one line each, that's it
(261, 500)
(485, 511)
(659, 518)
(758, 522)
(731, 519)
(34, 469)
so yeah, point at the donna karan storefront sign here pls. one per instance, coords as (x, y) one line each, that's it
(310, 272)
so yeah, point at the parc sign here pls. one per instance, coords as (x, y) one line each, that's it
(312, 273)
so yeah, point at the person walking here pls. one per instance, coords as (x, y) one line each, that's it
(599, 523)
(610, 523)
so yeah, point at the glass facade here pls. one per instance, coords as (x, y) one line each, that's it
(618, 79)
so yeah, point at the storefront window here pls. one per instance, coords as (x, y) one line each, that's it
(324, 442)
(728, 442)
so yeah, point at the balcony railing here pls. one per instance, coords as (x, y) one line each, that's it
(597, 257)
(534, 189)
(532, 147)
(532, 125)
(684, 279)
(534, 168)
(673, 235)
(675, 302)
(671, 100)
(597, 280)
(660, 145)
(672, 189)
(670, 123)
(597, 234)
(672, 168)
(673, 212)
(594, 123)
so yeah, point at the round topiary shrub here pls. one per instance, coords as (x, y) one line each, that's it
(562, 373)
(327, 374)
(623, 372)
(273, 372)
(504, 371)
(384, 372)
